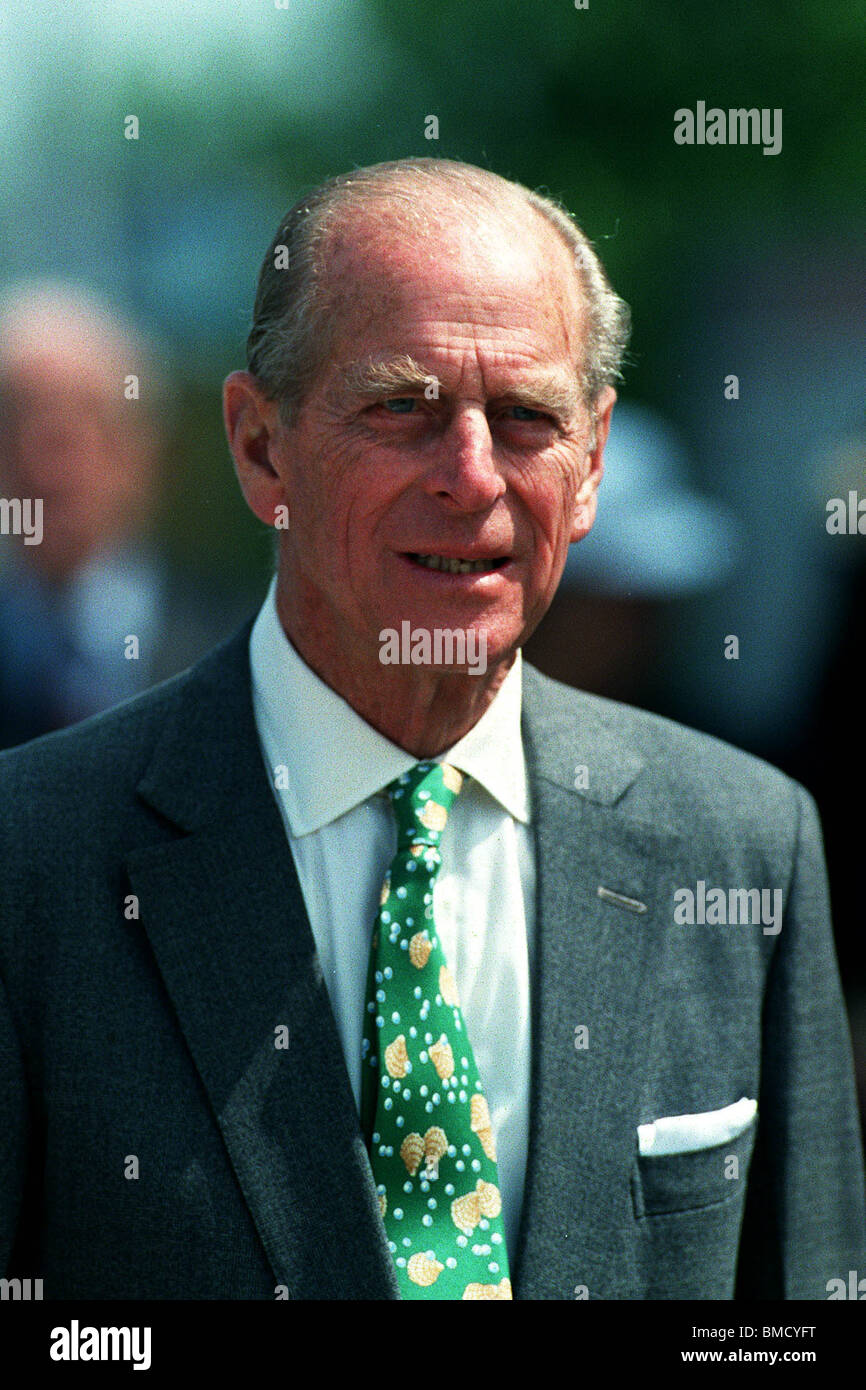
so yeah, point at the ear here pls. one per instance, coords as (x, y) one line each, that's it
(593, 467)
(253, 427)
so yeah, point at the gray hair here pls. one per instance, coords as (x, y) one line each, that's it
(294, 323)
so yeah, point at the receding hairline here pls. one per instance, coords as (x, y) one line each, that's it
(293, 328)
(453, 191)
(445, 213)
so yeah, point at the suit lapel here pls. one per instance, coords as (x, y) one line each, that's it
(224, 915)
(593, 969)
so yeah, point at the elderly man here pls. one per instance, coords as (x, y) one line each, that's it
(338, 967)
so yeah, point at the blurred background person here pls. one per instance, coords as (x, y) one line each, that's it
(96, 611)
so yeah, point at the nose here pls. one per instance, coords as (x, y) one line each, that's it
(465, 470)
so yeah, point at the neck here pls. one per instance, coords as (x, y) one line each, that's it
(423, 709)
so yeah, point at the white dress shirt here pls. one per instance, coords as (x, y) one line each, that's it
(342, 835)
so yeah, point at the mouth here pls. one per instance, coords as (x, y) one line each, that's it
(449, 564)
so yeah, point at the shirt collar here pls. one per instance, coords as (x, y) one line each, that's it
(302, 721)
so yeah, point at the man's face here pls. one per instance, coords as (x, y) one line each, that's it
(447, 425)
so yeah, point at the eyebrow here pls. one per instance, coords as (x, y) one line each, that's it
(373, 376)
(551, 390)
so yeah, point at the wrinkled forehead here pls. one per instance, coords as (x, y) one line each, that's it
(391, 264)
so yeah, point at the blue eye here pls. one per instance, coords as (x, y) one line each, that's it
(400, 405)
(524, 412)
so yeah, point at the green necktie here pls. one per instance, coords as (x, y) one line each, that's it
(424, 1113)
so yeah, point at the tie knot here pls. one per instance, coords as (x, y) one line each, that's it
(421, 799)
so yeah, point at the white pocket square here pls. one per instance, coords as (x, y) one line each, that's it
(680, 1134)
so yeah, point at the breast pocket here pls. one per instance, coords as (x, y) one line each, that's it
(689, 1211)
(688, 1181)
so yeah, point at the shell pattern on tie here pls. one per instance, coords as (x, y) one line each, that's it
(430, 1137)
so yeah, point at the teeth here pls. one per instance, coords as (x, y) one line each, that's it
(438, 562)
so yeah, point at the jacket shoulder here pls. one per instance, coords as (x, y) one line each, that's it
(666, 769)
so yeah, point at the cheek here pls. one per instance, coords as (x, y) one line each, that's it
(549, 502)
(314, 482)
(338, 499)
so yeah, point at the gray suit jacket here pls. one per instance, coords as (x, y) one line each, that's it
(155, 1143)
